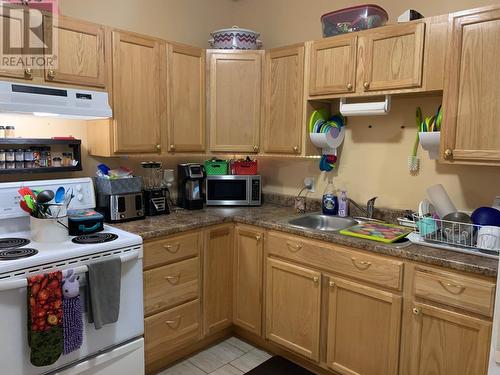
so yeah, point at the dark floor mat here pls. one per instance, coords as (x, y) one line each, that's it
(279, 366)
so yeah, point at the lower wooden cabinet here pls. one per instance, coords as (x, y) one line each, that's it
(363, 329)
(247, 292)
(218, 279)
(448, 343)
(293, 307)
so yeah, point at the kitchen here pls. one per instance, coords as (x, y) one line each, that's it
(161, 75)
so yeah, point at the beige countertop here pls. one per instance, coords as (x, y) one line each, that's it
(274, 217)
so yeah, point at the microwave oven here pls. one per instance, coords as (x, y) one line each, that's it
(233, 190)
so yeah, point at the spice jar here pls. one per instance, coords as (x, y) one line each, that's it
(19, 154)
(67, 159)
(2, 165)
(36, 157)
(10, 132)
(10, 155)
(10, 164)
(19, 164)
(2, 155)
(56, 162)
(49, 156)
(2, 131)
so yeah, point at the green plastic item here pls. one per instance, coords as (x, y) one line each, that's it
(381, 232)
(320, 114)
(216, 167)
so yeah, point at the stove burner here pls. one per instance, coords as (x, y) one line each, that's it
(11, 243)
(95, 238)
(12, 254)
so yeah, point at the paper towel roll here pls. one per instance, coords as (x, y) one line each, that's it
(365, 109)
(441, 200)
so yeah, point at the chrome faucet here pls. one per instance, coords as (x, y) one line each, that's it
(370, 207)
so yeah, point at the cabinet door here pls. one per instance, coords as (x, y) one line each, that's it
(293, 307)
(14, 20)
(448, 343)
(218, 279)
(81, 53)
(235, 88)
(284, 100)
(333, 65)
(393, 57)
(136, 93)
(247, 295)
(471, 111)
(186, 98)
(363, 329)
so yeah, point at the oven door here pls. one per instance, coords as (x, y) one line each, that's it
(228, 190)
(15, 352)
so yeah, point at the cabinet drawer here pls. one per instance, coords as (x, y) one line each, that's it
(339, 259)
(157, 253)
(169, 330)
(455, 290)
(170, 285)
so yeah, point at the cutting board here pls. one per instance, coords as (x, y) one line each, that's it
(381, 232)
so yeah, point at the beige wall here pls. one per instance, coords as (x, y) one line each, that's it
(282, 22)
(187, 21)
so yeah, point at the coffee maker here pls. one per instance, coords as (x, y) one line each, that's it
(190, 182)
(155, 193)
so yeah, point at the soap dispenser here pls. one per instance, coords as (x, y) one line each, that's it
(330, 202)
(343, 204)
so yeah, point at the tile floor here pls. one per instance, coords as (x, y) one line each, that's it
(230, 357)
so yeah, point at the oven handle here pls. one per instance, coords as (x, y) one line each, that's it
(23, 283)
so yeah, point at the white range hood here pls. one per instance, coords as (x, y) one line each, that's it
(50, 101)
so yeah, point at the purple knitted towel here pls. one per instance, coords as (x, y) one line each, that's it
(72, 324)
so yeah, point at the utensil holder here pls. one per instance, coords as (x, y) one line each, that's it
(49, 230)
(430, 142)
(327, 142)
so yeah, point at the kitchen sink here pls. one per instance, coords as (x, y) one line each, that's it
(321, 222)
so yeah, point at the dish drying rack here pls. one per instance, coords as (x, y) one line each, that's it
(449, 235)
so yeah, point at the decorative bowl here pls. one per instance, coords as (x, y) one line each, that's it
(235, 38)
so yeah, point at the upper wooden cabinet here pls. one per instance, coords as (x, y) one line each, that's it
(293, 307)
(137, 93)
(218, 279)
(284, 100)
(363, 329)
(470, 105)
(234, 98)
(247, 292)
(81, 60)
(392, 57)
(186, 98)
(333, 65)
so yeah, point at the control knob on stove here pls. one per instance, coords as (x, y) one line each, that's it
(79, 197)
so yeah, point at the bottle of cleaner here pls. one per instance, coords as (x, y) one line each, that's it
(343, 204)
(330, 203)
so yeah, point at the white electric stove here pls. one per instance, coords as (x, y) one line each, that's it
(116, 348)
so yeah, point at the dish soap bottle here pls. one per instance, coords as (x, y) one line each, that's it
(343, 204)
(330, 203)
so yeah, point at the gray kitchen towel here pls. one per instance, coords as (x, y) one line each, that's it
(104, 279)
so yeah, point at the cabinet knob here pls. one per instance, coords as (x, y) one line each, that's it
(366, 85)
(349, 86)
(316, 279)
(448, 153)
(416, 311)
(158, 147)
(258, 238)
(332, 284)
(256, 148)
(51, 74)
(296, 149)
(28, 73)
(172, 147)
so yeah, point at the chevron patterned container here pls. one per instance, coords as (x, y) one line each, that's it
(235, 38)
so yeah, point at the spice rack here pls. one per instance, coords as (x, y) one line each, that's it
(72, 146)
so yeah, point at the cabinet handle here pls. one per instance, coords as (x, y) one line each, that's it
(174, 324)
(172, 147)
(158, 147)
(361, 264)
(172, 248)
(366, 85)
(296, 149)
(349, 86)
(416, 311)
(447, 287)
(256, 148)
(258, 238)
(293, 247)
(448, 153)
(51, 74)
(174, 280)
(315, 279)
(28, 73)
(332, 284)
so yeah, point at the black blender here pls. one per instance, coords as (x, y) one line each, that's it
(155, 193)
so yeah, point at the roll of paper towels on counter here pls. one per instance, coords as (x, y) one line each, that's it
(441, 200)
(365, 109)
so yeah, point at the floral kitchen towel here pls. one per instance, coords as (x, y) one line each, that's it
(72, 312)
(45, 332)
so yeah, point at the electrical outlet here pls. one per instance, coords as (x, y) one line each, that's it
(309, 183)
